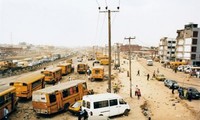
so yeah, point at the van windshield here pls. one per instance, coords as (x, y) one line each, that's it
(121, 101)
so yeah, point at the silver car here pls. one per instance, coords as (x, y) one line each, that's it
(169, 83)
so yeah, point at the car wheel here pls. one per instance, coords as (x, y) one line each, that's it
(126, 112)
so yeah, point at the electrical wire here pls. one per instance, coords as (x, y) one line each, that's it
(97, 3)
(97, 26)
(106, 2)
(102, 25)
(113, 20)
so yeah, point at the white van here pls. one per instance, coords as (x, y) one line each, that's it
(107, 104)
(150, 62)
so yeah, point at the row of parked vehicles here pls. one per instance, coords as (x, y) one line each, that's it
(195, 94)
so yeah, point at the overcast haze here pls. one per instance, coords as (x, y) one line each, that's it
(74, 23)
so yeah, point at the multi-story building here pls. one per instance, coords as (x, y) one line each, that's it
(188, 44)
(166, 49)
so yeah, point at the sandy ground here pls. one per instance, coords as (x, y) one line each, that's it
(160, 104)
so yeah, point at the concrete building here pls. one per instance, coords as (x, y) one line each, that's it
(188, 44)
(166, 50)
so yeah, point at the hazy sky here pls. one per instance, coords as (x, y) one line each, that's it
(78, 22)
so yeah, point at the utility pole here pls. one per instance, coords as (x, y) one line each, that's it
(129, 39)
(109, 45)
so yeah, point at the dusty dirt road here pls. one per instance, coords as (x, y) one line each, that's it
(157, 99)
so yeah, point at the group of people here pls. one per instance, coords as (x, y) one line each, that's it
(185, 94)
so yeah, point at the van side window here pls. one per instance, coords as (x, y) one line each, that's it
(113, 102)
(121, 101)
(84, 103)
(88, 105)
(52, 98)
(101, 104)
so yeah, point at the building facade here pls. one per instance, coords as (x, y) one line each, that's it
(166, 50)
(188, 44)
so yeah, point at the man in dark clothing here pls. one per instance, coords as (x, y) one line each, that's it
(189, 95)
(172, 88)
(85, 115)
(138, 73)
(147, 76)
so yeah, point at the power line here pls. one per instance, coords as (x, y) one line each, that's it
(97, 3)
(97, 26)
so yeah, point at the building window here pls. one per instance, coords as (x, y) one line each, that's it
(193, 56)
(195, 33)
(194, 49)
(173, 41)
(194, 41)
(172, 52)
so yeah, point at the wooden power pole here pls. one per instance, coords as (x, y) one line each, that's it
(109, 47)
(129, 39)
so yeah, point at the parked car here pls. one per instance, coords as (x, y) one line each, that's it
(195, 93)
(160, 77)
(169, 83)
(76, 107)
(183, 67)
(96, 61)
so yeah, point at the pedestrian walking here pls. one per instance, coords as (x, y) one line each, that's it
(138, 93)
(198, 74)
(138, 73)
(148, 76)
(5, 113)
(154, 74)
(85, 115)
(136, 90)
(173, 87)
(175, 69)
